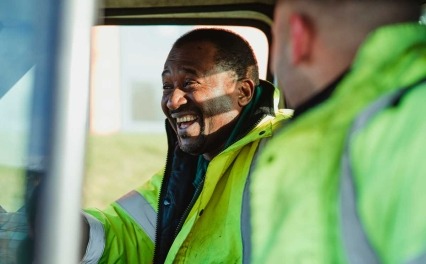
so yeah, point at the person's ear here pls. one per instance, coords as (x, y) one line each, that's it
(245, 92)
(301, 36)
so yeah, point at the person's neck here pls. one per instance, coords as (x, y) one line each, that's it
(319, 97)
(211, 155)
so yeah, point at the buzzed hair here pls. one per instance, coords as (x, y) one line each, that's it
(342, 1)
(232, 51)
(356, 15)
(417, 3)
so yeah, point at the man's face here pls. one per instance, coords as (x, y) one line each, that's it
(280, 41)
(291, 79)
(199, 99)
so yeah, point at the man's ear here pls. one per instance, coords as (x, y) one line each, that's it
(301, 37)
(245, 92)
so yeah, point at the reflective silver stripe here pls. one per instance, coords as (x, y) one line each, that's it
(358, 247)
(245, 209)
(96, 244)
(141, 211)
(418, 260)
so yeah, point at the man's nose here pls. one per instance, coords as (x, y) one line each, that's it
(176, 99)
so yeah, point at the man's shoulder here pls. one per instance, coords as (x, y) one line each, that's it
(392, 137)
(389, 152)
(400, 117)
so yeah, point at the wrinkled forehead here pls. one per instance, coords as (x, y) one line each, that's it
(194, 49)
(197, 55)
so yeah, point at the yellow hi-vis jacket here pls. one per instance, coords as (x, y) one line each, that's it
(216, 227)
(347, 179)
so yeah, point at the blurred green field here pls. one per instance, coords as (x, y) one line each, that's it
(116, 164)
(12, 182)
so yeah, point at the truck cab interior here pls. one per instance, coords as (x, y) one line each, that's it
(80, 116)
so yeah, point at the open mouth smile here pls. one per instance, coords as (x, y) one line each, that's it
(185, 121)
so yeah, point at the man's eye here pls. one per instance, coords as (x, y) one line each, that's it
(167, 87)
(189, 83)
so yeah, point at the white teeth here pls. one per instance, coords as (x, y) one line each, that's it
(186, 118)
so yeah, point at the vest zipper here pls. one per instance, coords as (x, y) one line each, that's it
(200, 187)
(196, 194)
(164, 183)
(189, 207)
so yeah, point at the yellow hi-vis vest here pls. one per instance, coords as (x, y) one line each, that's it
(299, 214)
(214, 230)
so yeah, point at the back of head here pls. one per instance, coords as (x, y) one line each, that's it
(337, 2)
(324, 36)
(353, 20)
(232, 51)
(343, 25)
(362, 14)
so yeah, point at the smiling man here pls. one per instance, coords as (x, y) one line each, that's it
(201, 100)
(218, 112)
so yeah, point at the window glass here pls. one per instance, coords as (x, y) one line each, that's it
(14, 134)
(27, 52)
(17, 74)
(127, 142)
